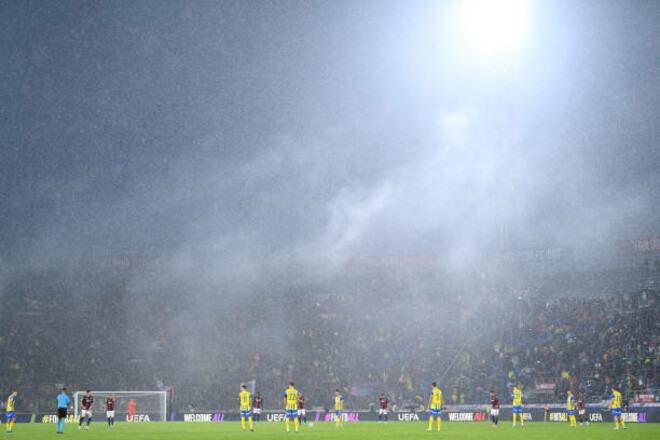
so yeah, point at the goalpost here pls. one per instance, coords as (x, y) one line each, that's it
(150, 406)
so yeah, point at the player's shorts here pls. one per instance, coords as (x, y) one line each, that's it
(110, 414)
(581, 412)
(291, 413)
(11, 415)
(382, 412)
(571, 413)
(85, 413)
(495, 412)
(246, 414)
(61, 413)
(301, 412)
(338, 412)
(517, 409)
(257, 410)
(435, 412)
(616, 411)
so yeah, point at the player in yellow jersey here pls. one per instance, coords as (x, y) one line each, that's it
(246, 407)
(615, 404)
(517, 397)
(339, 409)
(291, 406)
(570, 408)
(435, 406)
(11, 414)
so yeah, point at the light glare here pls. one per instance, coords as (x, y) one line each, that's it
(495, 25)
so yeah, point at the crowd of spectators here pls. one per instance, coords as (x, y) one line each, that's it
(362, 332)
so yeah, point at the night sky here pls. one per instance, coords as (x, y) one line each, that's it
(263, 134)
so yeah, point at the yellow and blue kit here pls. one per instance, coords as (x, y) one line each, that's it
(10, 408)
(436, 403)
(246, 404)
(616, 403)
(291, 396)
(339, 404)
(570, 405)
(517, 397)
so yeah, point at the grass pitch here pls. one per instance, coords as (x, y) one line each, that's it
(351, 431)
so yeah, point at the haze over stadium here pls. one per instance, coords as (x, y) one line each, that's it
(359, 195)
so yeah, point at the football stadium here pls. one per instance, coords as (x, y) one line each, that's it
(330, 219)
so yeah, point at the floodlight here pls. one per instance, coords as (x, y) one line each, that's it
(495, 25)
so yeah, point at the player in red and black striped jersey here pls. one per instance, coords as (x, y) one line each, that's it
(495, 408)
(582, 408)
(87, 403)
(382, 411)
(257, 407)
(302, 415)
(110, 410)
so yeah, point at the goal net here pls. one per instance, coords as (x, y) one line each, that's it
(150, 406)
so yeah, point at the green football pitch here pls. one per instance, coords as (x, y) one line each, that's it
(325, 430)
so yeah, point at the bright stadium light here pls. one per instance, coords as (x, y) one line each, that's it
(494, 26)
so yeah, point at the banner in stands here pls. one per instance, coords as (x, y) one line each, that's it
(644, 398)
(548, 386)
(638, 246)
(118, 262)
(532, 255)
(382, 263)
